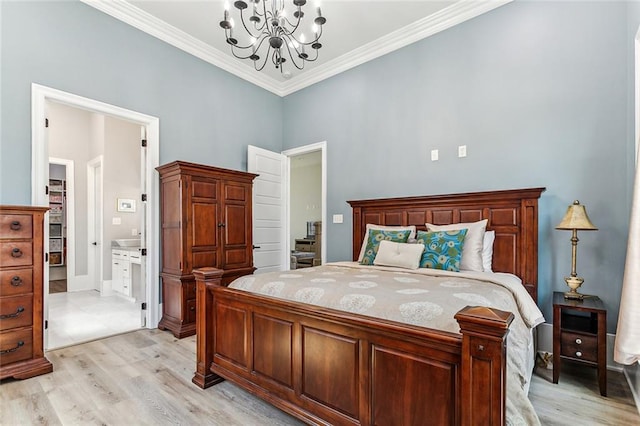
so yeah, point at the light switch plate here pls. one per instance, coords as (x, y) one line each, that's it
(462, 151)
(338, 218)
(116, 221)
(434, 155)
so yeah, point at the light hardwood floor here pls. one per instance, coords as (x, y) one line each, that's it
(144, 377)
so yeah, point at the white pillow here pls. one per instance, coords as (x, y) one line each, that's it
(363, 247)
(487, 250)
(402, 255)
(472, 248)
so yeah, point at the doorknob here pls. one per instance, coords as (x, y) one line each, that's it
(94, 243)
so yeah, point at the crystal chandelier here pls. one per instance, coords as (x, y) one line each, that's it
(271, 35)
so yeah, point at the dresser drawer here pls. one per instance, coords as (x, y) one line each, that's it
(16, 226)
(16, 311)
(15, 282)
(16, 346)
(579, 346)
(14, 253)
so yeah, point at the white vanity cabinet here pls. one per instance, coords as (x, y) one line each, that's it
(121, 271)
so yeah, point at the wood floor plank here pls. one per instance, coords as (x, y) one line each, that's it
(144, 378)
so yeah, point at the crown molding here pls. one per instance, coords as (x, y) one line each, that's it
(457, 13)
(446, 18)
(138, 18)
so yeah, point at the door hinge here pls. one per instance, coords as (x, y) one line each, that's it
(144, 143)
(46, 190)
(46, 257)
(144, 306)
(46, 122)
(144, 197)
(46, 324)
(143, 252)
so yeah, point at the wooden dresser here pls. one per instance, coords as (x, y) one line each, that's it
(206, 219)
(21, 288)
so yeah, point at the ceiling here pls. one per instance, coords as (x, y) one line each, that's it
(356, 31)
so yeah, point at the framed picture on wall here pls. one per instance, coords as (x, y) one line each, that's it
(126, 205)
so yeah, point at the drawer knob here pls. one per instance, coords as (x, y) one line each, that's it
(14, 315)
(578, 341)
(578, 354)
(16, 252)
(192, 308)
(16, 281)
(20, 343)
(16, 225)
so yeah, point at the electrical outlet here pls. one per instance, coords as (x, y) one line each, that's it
(116, 221)
(134, 232)
(434, 155)
(462, 151)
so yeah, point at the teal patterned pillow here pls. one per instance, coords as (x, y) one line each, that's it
(373, 242)
(442, 249)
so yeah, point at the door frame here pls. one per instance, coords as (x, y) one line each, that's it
(40, 95)
(318, 146)
(96, 267)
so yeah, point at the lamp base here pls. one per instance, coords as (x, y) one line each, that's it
(574, 283)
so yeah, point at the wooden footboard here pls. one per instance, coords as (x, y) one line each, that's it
(330, 367)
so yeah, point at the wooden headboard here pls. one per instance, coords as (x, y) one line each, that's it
(512, 214)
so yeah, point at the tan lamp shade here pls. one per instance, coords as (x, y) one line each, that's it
(576, 218)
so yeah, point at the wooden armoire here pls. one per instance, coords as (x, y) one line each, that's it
(206, 220)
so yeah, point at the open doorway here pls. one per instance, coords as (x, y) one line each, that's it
(95, 283)
(284, 179)
(126, 207)
(305, 209)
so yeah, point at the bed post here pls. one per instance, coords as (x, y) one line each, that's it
(484, 365)
(206, 278)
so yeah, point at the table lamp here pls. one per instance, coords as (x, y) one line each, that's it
(575, 219)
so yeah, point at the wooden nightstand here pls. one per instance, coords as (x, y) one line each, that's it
(580, 334)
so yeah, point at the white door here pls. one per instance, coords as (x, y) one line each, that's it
(269, 209)
(96, 254)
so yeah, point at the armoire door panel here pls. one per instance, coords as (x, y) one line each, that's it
(205, 224)
(236, 218)
(235, 192)
(204, 188)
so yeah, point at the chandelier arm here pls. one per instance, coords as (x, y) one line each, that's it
(266, 59)
(245, 25)
(293, 58)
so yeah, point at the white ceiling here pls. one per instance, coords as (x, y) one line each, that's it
(356, 31)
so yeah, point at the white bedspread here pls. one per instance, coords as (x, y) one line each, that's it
(424, 297)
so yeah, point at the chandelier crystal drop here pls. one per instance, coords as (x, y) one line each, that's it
(269, 34)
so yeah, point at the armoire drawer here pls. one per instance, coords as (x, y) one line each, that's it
(16, 226)
(16, 282)
(16, 311)
(16, 345)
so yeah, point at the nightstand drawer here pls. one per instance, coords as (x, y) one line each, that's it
(579, 346)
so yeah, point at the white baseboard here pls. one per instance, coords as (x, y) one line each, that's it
(545, 344)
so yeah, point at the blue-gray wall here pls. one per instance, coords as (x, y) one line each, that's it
(537, 91)
(540, 92)
(204, 111)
